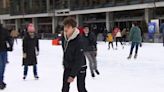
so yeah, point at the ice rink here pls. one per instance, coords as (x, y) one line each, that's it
(145, 74)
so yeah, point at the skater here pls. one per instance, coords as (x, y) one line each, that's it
(135, 37)
(124, 35)
(14, 34)
(90, 49)
(30, 51)
(117, 35)
(74, 61)
(105, 32)
(162, 31)
(5, 45)
(110, 40)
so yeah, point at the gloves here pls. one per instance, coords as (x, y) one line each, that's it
(95, 53)
(24, 55)
(37, 53)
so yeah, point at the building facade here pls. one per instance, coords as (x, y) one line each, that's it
(47, 15)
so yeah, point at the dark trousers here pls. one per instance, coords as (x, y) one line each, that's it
(134, 44)
(80, 80)
(119, 39)
(34, 70)
(3, 61)
(111, 44)
(163, 40)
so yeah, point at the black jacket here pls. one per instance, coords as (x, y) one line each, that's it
(90, 42)
(30, 46)
(73, 58)
(6, 43)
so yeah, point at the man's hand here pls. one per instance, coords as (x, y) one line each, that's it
(95, 53)
(70, 79)
(24, 55)
(37, 53)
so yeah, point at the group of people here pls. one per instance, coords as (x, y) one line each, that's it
(134, 36)
(77, 49)
(30, 50)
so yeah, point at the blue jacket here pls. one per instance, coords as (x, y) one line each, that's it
(162, 29)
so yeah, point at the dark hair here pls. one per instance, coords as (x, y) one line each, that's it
(70, 22)
(85, 25)
(135, 23)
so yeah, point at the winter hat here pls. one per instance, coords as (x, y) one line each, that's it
(31, 28)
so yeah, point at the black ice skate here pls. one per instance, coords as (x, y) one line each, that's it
(129, 57)
(2, 86)
(135, 56)
(36, 77)
(98, 73)
(93, 75)
(24, 77)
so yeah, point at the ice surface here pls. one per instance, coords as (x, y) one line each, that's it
(145, 74)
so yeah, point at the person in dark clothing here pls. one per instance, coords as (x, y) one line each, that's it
(30, 51)
(135, 37)
(162, 31)
(90, 49)
(105, 32)
(5, 45)
(74, 61)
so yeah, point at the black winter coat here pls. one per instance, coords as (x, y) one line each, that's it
(30, 46)
(90, 42)
(4, 40)
(73, 58)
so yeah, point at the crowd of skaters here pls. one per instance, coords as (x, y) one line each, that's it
(79, 45)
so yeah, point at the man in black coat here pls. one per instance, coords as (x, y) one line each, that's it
(90, 49)
(5, 45)
(30, 51)
(73, 60)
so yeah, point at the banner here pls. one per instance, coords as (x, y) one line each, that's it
(151, 30)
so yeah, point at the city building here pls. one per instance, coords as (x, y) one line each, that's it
(47, 15)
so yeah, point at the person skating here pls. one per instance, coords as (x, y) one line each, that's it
(110, 40)
(5, 45)
(74, 61)
(135, 37)
(118, 36)
(124, 35)
(14, 34)
(30, 51)
(90, 49)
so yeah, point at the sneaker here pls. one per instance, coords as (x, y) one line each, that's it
(98, 73)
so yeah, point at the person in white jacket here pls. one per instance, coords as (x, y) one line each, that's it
(118, 36)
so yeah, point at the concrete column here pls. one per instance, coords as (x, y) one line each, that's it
(107, 21)
(111, 21)
(147, 17)
(79, 20)
(54, 24)
(48, 5)
(34, 21)
(3, 22)
(17, 24)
